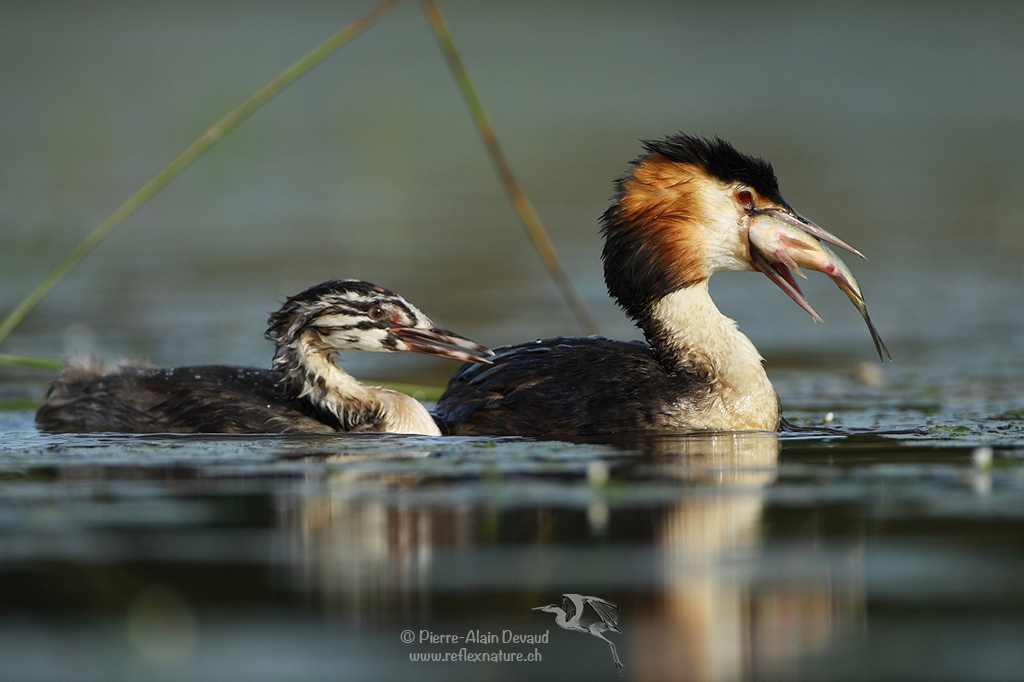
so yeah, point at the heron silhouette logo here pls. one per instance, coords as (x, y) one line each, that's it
(591, 615)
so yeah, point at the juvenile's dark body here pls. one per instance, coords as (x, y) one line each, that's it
(203, 399)
(304, 391)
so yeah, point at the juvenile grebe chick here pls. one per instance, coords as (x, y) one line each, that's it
(687, 209)
(304, 392)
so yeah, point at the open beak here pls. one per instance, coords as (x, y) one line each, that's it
(776, 245)
(440, 342)
(804, 225)
(781, 243)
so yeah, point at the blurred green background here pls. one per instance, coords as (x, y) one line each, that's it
(897, 126)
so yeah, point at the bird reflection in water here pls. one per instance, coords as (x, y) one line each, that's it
(685, 548)
(726, 610)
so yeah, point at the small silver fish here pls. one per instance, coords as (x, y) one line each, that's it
(783, 242)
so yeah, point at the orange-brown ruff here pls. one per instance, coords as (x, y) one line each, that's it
(680, 215)
(659, 199)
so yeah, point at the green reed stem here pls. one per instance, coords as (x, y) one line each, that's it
(531, 221)
(182, 161)
(28, 361)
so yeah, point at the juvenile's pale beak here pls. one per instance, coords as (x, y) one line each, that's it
(779, 241)
(437, 341)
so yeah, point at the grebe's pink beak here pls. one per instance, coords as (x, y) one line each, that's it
(780, 241)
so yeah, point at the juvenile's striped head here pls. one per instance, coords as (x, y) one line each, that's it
(356, 315)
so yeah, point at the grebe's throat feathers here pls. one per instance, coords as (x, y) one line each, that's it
(680, 215)
(690, 335)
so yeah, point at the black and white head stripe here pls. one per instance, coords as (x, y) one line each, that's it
(341, 305)
(720, 160)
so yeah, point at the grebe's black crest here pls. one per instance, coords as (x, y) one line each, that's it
(719, 159)
(688, 208)
(305, 391)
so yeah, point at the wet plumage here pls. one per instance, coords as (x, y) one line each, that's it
(303, 392)
(541, 374)
(681, 214)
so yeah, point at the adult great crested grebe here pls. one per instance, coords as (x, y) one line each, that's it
(688, 208)
(304, 392)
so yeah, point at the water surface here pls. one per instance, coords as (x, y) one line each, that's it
(732, 556)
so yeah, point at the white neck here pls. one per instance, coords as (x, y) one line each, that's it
(357, 406)
(693, 332)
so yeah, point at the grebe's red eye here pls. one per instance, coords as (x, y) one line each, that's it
(744, 196)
